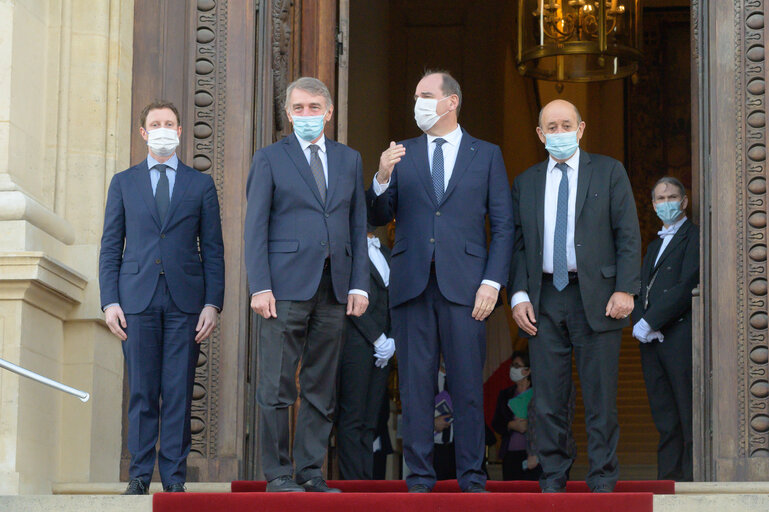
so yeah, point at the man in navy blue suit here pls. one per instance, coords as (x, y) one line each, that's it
(306, 257)
(161, 274)
(441, 188)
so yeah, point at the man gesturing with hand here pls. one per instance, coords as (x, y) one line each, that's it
(441, 188)
(575, 271)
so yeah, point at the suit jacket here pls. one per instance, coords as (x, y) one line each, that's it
(678, 272)
(376, 320)
(289, 231)
(607, 240)
(452, 233)
(187, 246)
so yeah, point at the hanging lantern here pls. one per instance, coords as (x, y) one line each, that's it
(578, 40)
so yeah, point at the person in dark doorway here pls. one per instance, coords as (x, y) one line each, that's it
(444, 454)
(511, 422)
(663, 315)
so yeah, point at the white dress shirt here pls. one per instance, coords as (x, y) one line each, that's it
(450, 150)
(552, 183)
(321, 152)
(642, 330)
(378, 259)
(305, 145)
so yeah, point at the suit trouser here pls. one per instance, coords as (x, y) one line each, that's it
(425, 327)
(562, 328)
(310, 330)
(161, 356)
(361, 391)
(667, 369)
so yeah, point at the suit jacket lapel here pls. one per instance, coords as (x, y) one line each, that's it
(465, 155)
(144, 186)
(181, 183)
(583, 181)
(677, 239)
(332, 155)
(541, 179)
(295, 153)
(418, 154)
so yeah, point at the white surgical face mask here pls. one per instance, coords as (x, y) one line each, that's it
(425, 112)
(162, 141)
(516, 374)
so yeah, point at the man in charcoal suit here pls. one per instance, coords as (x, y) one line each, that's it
(663, 315)
(305, 250)
(574, 274)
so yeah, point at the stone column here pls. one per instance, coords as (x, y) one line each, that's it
(65, 99)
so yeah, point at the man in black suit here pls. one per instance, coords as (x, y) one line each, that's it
(575, 270)
(363, 371)
(663, 315)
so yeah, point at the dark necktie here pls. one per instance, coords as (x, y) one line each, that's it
(560, 265)
(317, 171)
(162, 199)
(438, 169)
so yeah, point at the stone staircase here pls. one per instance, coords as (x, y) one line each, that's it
(105, 497)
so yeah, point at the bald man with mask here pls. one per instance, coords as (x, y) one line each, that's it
(574, 274)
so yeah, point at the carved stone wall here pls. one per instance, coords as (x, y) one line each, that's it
(208, 156)
(750, 167)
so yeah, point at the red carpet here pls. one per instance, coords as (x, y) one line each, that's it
(389, 502)
(450, 486)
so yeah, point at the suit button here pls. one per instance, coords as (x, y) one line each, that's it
(432, 240)
(323, 243)
(327, 215)
(157, 262)
(162, 235)
(437, 214)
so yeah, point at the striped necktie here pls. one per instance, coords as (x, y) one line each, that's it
(438, 169)
(560, 265)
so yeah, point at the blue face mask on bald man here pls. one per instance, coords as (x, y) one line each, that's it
(561, 145)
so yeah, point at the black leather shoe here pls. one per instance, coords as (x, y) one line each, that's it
(317, 484)
(136, 487)
(548, 490)
(177, 487)
(475, 487)
(602, 489)
(284, 484)
(419, 488)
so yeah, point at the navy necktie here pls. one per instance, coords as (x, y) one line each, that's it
(162, 195)
(316, 166)
(560, 265)
(438, 169)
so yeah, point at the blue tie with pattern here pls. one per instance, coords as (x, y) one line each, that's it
(560, 266)
(438, 169)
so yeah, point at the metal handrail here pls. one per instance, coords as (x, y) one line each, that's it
(82, 395)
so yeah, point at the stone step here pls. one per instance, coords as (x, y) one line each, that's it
(75, 503)
(116, 488)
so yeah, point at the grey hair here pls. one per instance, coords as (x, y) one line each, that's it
(576, 110)
(449, 86)
(670, 180)
(311, 85)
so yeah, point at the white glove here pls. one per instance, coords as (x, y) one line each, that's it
(655, 335)
(384, 348)
(641, 331)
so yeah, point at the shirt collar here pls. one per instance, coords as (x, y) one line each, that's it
(172, 162)
(306, 144)
(452, 137)
(673, 228)
(572, 162)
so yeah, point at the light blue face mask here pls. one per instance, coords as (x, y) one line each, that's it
(668, 212)
(308, 128)
(561, 145)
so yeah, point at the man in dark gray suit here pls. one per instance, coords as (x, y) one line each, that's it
(305, 250)
(368, 347)
(574, 274)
